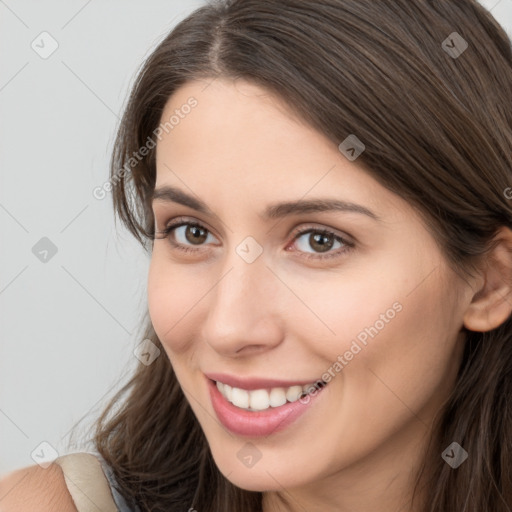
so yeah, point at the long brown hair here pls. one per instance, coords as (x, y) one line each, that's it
(427, 86)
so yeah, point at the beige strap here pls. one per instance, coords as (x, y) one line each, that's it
(87, 482)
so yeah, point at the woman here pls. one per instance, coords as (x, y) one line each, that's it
(323, 191)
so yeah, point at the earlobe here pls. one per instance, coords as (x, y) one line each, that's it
(491, 305)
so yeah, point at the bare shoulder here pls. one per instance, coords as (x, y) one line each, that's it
(34, 489)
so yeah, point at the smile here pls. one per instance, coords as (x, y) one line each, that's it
(258, 408)
(262, 399)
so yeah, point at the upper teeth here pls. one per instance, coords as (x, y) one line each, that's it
(261, 399)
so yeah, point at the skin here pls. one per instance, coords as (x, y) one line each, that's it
(358, 446)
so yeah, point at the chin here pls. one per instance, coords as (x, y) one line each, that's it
(258, 478)
(249, 481)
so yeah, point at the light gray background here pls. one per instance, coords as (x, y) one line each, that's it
(68, 326)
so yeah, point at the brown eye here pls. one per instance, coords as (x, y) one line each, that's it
(321, 242)
(195, 234)
(184, 235)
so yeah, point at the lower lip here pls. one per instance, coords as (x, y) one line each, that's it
(257, 423)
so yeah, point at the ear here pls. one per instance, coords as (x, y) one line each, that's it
(491, 305)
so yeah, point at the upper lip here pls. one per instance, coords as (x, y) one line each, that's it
(250, 383)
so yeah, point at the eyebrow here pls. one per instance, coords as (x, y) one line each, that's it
(170, 194)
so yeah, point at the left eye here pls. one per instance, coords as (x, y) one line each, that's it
(188, 234)
(320, 239)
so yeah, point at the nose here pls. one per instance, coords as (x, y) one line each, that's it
(243, 313)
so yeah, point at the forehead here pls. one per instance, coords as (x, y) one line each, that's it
(232, 115)
(241, 138)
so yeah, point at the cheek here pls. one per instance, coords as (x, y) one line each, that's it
(384, 322)
(170, 301)
(345, 314)
(409, 365)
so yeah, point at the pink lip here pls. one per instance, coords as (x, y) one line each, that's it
(250, 383)
(257, 423)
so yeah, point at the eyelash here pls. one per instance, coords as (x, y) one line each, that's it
(348, 246)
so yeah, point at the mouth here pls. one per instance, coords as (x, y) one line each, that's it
(264, 398)
(255, 410)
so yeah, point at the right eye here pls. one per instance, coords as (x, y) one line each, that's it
(184, 232)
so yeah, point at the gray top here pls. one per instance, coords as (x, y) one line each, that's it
(118, 499)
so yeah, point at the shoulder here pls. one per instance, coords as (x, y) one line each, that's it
(35, 488)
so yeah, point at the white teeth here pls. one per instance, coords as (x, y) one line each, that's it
(293, 393)
(261, 399)
(277, 397)
(258, 399)
(240, 398)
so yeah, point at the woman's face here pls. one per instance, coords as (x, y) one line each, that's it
(370, 306)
